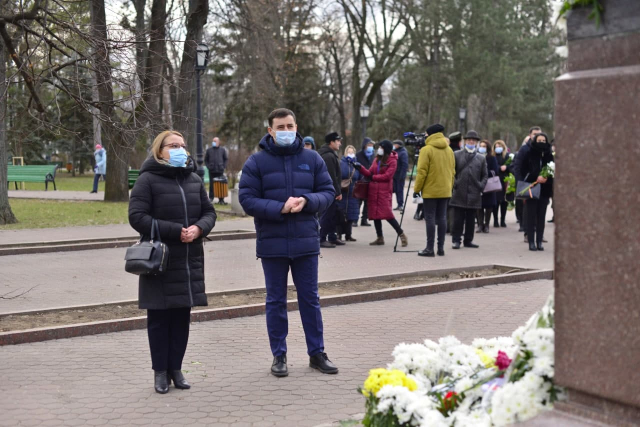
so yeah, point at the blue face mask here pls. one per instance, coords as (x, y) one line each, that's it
(369, 151)
(178, 157)
(214, 144)
(482, 150)
(285, 138)
(470, 147)
(499, 150)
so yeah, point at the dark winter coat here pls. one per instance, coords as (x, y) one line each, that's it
(381, 187)
(176, 199)
(522, 153)
(403, 164)
(361, 156)
(532, 164)
(332, 161)
(501, 196)
(349, 204)
(269, 178)
(470, 180)
(216, 159)
(489, 200)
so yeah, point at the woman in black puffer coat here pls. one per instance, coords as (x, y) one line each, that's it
(532, 164)
(170, 192)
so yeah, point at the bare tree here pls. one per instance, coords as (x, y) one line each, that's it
(378, 45)
(6, 214)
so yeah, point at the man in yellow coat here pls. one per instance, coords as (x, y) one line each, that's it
(434, 182)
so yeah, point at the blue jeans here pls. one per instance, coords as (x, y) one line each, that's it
(304, 271)
(96, 178)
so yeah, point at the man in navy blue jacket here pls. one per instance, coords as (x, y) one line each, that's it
(283, 187)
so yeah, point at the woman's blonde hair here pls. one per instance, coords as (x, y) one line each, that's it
(350, 147)
(156, 146)
(504, 145)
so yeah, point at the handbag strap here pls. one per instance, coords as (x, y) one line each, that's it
(468, 163)
(155, 231)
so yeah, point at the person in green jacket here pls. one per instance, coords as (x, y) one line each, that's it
(434, 182)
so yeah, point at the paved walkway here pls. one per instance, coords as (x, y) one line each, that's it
(98, 276)
(107, 379)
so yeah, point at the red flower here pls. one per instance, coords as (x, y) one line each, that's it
(502, 361)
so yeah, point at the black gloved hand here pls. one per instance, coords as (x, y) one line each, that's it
(416, 195)
(357, 165)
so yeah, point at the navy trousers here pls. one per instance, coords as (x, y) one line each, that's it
(398, 188)
(96, 178)
(304, 271)
(329, 222)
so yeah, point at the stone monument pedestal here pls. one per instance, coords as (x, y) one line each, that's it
(597, 214)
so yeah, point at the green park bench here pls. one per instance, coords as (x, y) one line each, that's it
(32, 173)
(135, 173)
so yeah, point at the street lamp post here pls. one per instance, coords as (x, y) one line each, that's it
(462, 114)
(202, 57)
(364, 115)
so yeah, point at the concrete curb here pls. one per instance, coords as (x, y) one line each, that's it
(93, 328)
(103, 243)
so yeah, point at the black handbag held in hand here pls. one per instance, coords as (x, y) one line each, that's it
(527, 190)
(147, 257)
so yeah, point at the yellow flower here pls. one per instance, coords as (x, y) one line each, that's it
(486, 360)
(380, 377)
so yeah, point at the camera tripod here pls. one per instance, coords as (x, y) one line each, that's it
(406, 199)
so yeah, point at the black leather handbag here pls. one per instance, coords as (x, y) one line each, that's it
(147, 257)
(527, 190)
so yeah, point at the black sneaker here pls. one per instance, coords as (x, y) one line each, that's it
(322, 363)
(337, 242)
(279, 366)
(471, 245)
(326, 244)
(456, 245)
(365, 223)
(355, 224)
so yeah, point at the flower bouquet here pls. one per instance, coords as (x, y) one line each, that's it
(549, 171)
(492, 382)
(509, 160)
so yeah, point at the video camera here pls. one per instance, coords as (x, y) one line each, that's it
(414, 139)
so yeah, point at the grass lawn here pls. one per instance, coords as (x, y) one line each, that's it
(64, 182)
(38, 213)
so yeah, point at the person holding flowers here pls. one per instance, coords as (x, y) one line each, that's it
(537, 168)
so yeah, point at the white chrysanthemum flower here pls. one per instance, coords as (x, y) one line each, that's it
(464, 384)
(476, 418)
(433, 418)
(543, 366)
(539, 341)
(448, 341)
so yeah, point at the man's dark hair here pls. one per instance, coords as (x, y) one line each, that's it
(530, 130)
(280, 113)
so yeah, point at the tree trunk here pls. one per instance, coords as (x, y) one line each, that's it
(6, 215)
(141, 45)
(118, 150)
(183, 112)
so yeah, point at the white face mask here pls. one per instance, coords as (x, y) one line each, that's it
(380, 151)
(351, 155)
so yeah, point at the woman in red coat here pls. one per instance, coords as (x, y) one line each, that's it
(381, 190)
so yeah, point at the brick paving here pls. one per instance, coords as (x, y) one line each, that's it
(107, 379)
(98, 276)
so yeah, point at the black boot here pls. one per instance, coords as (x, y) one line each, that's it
(441, 251)
(532, 246)
(322, 363)
(279, 366)
(427, 252)
(365, 223)
(161, 382)
(178, 380)
(540, 247)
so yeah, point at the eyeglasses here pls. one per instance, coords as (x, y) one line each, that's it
(175, 146)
